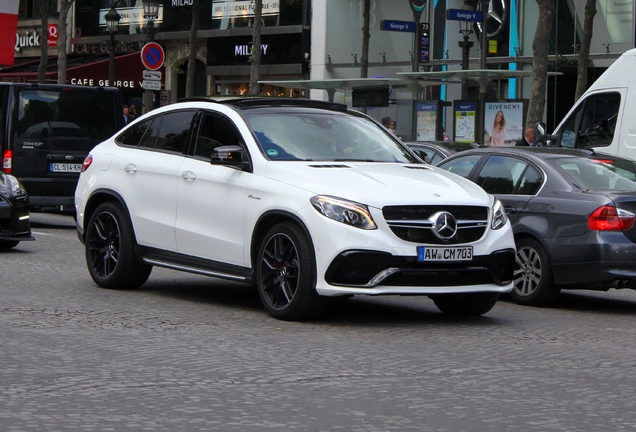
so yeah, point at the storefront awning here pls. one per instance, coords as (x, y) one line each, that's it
(87, 71)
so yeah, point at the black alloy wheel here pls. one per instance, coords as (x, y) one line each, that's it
(109, 247)
(286, 274)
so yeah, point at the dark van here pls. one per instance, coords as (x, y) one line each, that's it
(47, 132)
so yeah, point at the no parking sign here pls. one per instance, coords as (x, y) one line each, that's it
(152, 56)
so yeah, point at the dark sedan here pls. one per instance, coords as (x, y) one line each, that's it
(435, 151)
(14, 212)
(572, 213)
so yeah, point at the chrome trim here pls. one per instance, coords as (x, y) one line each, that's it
(193, 269)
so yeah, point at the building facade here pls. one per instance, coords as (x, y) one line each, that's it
(322, 40)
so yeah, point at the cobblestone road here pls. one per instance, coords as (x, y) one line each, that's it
(191, 353)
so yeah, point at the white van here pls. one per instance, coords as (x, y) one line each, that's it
(604, 118)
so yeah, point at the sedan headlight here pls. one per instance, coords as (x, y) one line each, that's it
(499, 217)
(347, 212)
(16, 188)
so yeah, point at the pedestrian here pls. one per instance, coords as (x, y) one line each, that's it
(126, 119)
(389, 124)
(527, 138)
(132, 112)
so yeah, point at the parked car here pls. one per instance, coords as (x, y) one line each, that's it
(14, 212)
(48, 131)
(436, 151)
(304, 199)
(572, 213)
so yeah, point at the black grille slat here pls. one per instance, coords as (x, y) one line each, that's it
(412, 224)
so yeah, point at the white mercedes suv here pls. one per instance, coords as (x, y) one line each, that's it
(306, 200)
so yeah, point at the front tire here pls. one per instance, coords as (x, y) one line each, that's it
(286, 274)
(8, 244)
(464, 305)
(533, 281)
(110, 249)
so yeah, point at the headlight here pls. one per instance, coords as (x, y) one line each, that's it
(347, 212)
(499, 217)
(16, 187)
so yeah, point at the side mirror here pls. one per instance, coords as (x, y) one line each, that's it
(231, 156)
(541, 138)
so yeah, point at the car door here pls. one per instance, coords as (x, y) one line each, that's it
(211, 199)
(513, 180)
(150, 180)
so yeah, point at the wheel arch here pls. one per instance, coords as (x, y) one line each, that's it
(268, 220)
(97, 198)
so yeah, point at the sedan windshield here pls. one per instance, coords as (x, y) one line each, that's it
(599, 173)
(325, 137)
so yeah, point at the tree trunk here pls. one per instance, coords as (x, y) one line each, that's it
(255, 87)
(44, 49)
(65, 6)
(584, 53)
(192, 57)
(366, 35)
(540, 47)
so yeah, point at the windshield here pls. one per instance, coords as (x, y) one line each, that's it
(599, 173)
(328, 136)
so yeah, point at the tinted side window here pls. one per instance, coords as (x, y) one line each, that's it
(497, 175)
(462, 165)
(173, 133)
(215, 131)
(132, 136)
(531, 182)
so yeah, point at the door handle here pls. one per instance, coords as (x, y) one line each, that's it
(189, 175)
(131, 168)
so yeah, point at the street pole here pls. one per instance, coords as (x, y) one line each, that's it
(479, 137)
(151, 13)
(112, 23)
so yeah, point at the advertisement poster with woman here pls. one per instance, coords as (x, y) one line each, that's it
(503, 123)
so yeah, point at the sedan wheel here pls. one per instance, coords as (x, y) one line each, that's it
(109, 246)
(8, 244)
(286, 272)
(533, 276)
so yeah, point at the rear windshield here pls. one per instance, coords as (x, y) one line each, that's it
(66, 114)
(599, 173)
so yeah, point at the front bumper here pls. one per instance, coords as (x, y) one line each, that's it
(368, 272)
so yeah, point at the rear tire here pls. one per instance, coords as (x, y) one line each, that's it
(110, 249)
(470, 304)
(533, 281)
(286, 274)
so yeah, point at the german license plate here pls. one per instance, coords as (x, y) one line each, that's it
(65, 167)
(427, 253)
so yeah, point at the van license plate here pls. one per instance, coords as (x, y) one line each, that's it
(65, 167)
(427, 253)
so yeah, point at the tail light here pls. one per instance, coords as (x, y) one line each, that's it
(7, 160)
(609, 218)
(87, 162)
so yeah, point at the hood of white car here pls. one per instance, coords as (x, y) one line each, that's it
(380, 184)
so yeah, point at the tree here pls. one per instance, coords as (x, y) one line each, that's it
(43, 7)
(584, 53)
(255, 87)
(65, 6)
(366, 35)
(540, 47)
(192, 56)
